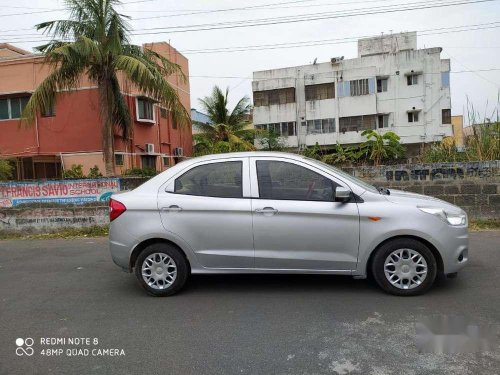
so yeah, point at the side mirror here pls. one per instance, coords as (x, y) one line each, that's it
(342, 194)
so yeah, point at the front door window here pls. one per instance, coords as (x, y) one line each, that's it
(287, 181)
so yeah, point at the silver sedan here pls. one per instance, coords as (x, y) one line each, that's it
(264, 212)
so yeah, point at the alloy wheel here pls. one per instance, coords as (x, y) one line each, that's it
(405, 268)
(159, 271)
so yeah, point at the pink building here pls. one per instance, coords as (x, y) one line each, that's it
(71, 133)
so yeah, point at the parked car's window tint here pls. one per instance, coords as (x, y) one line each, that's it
(282, 180)
(212, 180)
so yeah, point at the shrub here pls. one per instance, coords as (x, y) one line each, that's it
(6, 170)
(269, 140)
(76, 171)
(139, 172)
(94, 172)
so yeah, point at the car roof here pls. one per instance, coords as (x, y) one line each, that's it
(247, 154)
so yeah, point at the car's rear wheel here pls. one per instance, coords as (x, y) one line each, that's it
(161, 269)
(404, 267)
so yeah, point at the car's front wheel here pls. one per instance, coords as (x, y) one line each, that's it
(161, 269)
(404, 267)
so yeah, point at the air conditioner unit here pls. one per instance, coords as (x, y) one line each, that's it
(178, 151)
(150, 148)
(337, 60)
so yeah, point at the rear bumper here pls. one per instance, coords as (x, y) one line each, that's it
(120, 254)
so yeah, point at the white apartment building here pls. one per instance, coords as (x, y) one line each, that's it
(390, 86)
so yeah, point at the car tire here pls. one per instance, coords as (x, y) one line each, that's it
(162, 270)
(408, 263)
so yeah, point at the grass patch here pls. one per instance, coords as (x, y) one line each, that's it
(67, 233)
(487, 224)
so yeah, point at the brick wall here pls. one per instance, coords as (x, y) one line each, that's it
(479, 198)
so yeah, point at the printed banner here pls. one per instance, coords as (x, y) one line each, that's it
(58, 191)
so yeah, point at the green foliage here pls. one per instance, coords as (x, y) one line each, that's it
(380, 147)
(343, 155)
(442, 152)
(94, 172)
(482, 144)
(6, 170)
(313, 152)
(139, 172)
(67, 233)
(95, 41)
(269, 140)
(377, 148)
(76, 171)
(228, 131)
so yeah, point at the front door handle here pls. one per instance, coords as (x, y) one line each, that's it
(173, 208)
(267, 210)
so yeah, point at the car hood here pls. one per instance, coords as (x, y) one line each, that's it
(405, 197)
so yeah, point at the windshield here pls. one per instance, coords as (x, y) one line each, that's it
(345, 175)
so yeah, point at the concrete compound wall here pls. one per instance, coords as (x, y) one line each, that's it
(472, 186)
(44, 219)
(429, 172)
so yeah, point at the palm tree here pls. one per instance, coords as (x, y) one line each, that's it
(228, 129)
(382, 146)
(94, 41)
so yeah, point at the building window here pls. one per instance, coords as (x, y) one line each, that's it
(321, 126)
(145, 109)
(413, 116)
(412, 79)
(383, 121)
(148, 161)
(11, 108)
(382, 84)
(358, 123)
(51, 112)
(274, 97)
(119, 160)
(445, 79)
(166, 161)
(163, 113)
(359, 87)
(446, 116)
(344, 89)
(282, 129)
(320, 92)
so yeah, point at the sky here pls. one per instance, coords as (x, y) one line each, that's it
(474, 53)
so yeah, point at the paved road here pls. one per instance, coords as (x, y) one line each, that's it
(229, 324)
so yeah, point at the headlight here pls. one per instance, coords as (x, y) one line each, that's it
(449, 217)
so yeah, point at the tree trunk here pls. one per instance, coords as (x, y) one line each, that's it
(106, 103)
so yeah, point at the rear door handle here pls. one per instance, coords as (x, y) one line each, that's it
(173, 208)
(266, 210)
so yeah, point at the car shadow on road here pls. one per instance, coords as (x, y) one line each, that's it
(286, 283)
(270, 283)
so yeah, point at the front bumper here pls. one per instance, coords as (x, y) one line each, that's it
(454, 249)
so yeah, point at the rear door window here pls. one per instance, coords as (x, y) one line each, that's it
(222, 180)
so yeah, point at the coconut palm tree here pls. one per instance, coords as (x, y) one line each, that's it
(228, 129)
(94, 41)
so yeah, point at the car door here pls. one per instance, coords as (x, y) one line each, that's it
(208, 206)
(296, 222)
